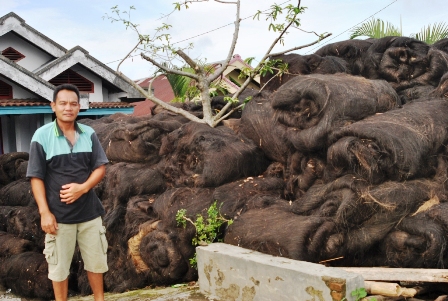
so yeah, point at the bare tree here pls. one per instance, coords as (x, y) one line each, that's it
(201, 75)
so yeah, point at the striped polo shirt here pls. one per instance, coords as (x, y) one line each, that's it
(54, 160)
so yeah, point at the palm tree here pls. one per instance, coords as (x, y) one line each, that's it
(378, 29)
(430, 35)
(375, 29)
(185, 89)
(181, 86)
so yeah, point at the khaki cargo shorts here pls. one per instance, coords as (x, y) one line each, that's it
(59, 248)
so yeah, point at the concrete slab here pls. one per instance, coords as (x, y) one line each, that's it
(178, 292)
(228, 272)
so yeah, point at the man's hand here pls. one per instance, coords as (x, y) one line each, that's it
(47, 219)
(48, 222)
(71, 192)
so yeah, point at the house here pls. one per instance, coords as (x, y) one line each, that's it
(160, 87)
(32, 65)
(230, 80)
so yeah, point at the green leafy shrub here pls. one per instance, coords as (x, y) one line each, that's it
(207, 229)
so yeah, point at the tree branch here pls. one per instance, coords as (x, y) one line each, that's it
(223, 67)
(306, 31)
(234, 96)
(169, 70)
(189, 61)
(243, 86)
(216, 122)
(150, 84)
(251, 75)
(226, 2)
(274, 43)
(118, 67)
(303, 46)
(265, 84)
(160, 102)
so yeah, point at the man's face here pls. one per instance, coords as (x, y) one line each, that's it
(66, 106)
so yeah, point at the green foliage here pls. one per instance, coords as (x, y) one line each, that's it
(359, 293)
(272, 15)
(181, 87)
(430, 35)
(375, 29)
(249, 60)
(216, 90)
(379, 29)
(207, 229)
(246, 100)
(184, 88)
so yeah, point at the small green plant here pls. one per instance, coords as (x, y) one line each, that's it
(359, 293)
(207, 230)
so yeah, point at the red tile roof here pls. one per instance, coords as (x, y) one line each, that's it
(36, 102)
(22, 102)
(162, 90)
(110, 105)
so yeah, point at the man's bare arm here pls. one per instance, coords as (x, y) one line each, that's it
(73, 191)
(47, 220)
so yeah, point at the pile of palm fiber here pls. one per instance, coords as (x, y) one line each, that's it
(10, 166)
(397, 145)
(342, 158)
(302, 65)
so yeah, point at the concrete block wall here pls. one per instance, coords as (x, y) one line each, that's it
(228, 272)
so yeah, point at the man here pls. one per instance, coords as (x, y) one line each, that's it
(66, 162)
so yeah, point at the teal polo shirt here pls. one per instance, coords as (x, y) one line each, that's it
(53, 160)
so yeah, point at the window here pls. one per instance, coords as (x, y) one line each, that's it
(5, 91)
(12, 54)
(71, 77)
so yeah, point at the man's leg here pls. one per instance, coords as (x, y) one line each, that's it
(59, 249)
(60, 290)
(93, 246)
(96, 283)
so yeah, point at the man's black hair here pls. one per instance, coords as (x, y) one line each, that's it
(69, 87)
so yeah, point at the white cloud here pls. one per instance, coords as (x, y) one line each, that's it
(7, 6)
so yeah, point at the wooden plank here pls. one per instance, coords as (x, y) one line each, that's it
(398, 274)
(390, 289)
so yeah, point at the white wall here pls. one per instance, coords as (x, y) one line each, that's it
(105, 94)
(17, 130)
(17, 91)
(114, 97)
(25, 126)
(34, 57)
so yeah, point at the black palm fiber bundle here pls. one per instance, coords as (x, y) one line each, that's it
(312, 107)
(200, 156)
(398, 145)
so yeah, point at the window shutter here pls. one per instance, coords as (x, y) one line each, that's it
(5, 91)
(12, 54)
(71, 77)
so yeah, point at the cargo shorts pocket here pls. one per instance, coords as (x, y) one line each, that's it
(50, 249)
(103, 239)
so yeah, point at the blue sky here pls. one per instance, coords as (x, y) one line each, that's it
(81, 22)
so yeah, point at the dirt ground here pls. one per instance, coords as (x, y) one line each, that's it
(176, 293)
